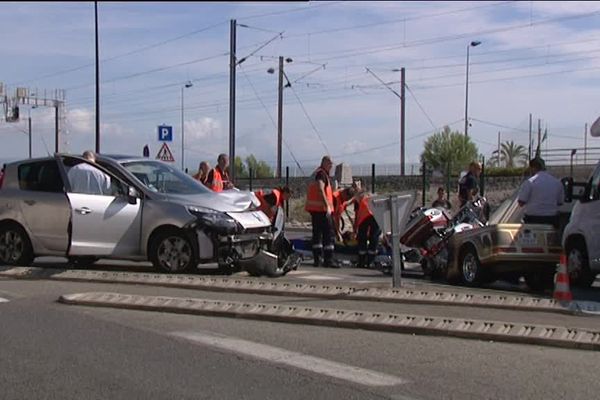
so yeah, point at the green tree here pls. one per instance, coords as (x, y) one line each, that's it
(449, 148)
(511, 154)
(240, 168)
(260, 169)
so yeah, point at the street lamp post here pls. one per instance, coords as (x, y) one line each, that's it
(472, 44)
(280, 110)
(187, 85)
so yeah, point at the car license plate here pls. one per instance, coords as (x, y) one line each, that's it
(527, 239)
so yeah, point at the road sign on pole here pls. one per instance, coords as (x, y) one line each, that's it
(164, 154)
(391, 213)
(165, 133)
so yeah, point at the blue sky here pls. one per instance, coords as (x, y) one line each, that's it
(536, 57)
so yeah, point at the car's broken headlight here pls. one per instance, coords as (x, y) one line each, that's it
(220, 222)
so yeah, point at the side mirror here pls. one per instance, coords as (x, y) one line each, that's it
(132, 195)
(575, 190)
(568, 189)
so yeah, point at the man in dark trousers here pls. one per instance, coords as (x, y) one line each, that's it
(469, 184)
(319, 203)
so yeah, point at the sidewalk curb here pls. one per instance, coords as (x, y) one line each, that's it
(326, 291)
(508, 332)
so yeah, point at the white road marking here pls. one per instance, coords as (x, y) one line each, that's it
(298, 360)
(3, 300)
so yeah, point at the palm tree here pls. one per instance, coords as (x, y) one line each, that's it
(512, 154)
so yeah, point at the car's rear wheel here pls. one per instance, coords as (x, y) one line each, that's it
(15, 246)
(471, 273)
(577, 264)
(172, 251)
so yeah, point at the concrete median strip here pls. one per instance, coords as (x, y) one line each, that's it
(544, 335)
(329, 291)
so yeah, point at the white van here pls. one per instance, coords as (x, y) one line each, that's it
(581, 237)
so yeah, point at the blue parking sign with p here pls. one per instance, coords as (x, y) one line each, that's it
(165, 133)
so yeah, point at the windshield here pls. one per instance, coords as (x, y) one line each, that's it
(162, 178)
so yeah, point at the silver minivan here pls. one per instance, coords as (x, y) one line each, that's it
(147, 210)
(581, 237)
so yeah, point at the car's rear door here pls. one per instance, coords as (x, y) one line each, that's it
(44, 204)
(103, 222)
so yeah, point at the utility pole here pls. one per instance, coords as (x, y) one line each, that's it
(498, 150)
(585, 134)
(232, 65)
(97, 86)
(402, 98)
(402, 121)
(56, 131)
(529, 145)
(538, 152)
(29, 125)
(279, 117)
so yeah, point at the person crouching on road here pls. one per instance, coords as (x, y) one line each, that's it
(218, 177)
(270, 202)
(368, 231)
(341, 200)
(319, 203)
(541, 195)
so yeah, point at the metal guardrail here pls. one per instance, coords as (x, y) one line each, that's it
(379, 321)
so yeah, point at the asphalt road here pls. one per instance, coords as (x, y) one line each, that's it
(51, 350)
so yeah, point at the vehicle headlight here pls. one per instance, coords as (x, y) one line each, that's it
(220, 222)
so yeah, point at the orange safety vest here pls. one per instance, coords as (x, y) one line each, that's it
(363, 211)
(265, 206)
(338, 207)
(314, 201)
(217, 182)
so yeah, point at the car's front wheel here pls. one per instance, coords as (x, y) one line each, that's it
(172, 251)
(577, 264)
(15, 246)
(471, 273)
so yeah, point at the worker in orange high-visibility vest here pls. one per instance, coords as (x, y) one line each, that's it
(269, 202)
(319, 203)
(341, 200)
(218, 177)
(368, 231)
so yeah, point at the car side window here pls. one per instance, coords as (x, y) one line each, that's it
(86, 178)
(41, 176)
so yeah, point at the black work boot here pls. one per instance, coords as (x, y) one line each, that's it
(361, 260)
(316, 259)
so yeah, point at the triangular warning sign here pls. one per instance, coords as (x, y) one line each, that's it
(164, 154)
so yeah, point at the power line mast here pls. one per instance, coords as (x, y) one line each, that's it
(32, 98)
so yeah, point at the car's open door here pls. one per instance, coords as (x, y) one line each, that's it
(105, 216)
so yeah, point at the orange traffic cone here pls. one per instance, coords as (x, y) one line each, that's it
(562, 289)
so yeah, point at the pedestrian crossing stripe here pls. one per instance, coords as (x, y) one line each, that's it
(164, 154)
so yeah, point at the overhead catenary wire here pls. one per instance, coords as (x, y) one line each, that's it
(270, 117)
(128, 53)
(398, 20)
(312, 124)
(433, 125)
(441, 39)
